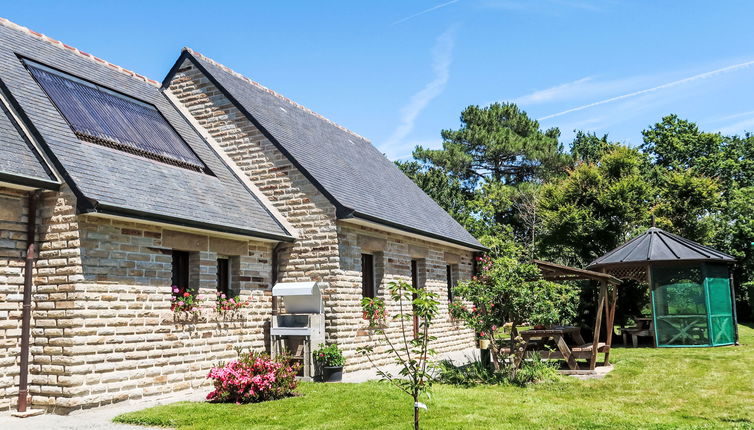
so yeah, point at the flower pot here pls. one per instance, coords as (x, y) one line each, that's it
(484, 344)
(332, 373)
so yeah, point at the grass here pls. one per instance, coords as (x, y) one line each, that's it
(692, 388)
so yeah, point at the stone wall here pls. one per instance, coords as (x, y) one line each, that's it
(125, 342)
(395, 252)
(102, 328)
(324, 250)
(313, 256)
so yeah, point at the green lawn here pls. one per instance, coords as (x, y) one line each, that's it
(649, 388)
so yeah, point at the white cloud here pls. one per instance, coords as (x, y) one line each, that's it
(739, 127)
(548, 7)
(732, 116)
(442, 57)
(678, 82)
(557, 92)
(439, 6)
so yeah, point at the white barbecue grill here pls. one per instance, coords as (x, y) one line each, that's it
(301, 325)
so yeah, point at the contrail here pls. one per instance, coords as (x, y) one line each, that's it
(650, 90)
(425, 11)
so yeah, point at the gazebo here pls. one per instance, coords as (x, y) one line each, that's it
(691, 287)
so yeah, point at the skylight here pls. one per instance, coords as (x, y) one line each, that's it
(104, 117)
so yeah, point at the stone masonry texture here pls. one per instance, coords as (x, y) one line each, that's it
(327, 249)
(102, 328)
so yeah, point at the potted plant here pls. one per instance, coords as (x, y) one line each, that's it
(330, 360)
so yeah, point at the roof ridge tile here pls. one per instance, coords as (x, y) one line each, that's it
(13, 26)
(272, 92)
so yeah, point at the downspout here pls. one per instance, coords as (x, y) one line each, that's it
(274, 275)
(23, 378)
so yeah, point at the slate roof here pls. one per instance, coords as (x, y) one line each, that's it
(20, 162)
(359, 180)
(657, 245)
(111, 181)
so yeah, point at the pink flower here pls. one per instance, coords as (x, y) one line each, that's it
(180, 303)
(482, 334)
(176, 290)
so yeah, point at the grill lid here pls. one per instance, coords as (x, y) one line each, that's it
(300, 297)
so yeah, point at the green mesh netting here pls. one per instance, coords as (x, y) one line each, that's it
(681, 297)
(720, 305)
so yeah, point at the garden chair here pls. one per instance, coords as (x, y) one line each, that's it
(638, 331)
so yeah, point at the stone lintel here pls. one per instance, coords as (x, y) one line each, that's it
(371, 243)
(228, 247)
(184, 241)
(418, 251)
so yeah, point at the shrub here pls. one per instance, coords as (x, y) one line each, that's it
(535, 371)
(329, 356)
(477, 373)
(469, 375)
(253, 377)
(508, 290)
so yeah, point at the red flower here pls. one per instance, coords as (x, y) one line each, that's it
(186, 294)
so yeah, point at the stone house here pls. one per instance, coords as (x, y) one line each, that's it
(114, 187)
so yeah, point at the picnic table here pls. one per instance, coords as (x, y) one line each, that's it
(569, 353)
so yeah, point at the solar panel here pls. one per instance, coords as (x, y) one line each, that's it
(104, 117)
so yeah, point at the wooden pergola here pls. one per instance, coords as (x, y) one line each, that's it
(608, 294)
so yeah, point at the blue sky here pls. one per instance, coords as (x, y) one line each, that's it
(397, 72)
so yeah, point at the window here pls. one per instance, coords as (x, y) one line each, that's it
(105, 117)
(451, 284)
(180, 277)
(367, 276)
(223, 277)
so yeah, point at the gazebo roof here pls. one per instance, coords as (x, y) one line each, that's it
(657, 245)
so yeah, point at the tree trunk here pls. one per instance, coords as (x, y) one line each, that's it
(494, 354)
(416, 412)
(515, 346)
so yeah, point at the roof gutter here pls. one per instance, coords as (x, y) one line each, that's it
(346, 214)
(28, 182)
(114, 210)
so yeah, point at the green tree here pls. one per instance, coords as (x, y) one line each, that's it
(596, 207)
(496, 149)
(411, 351)
(589, 148)
(689, 205)
(677, 144)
